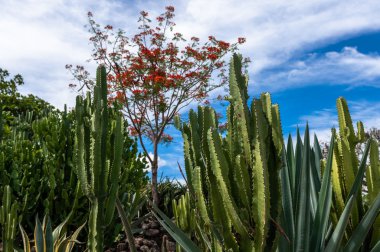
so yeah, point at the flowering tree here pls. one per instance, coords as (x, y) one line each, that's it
(155, 74)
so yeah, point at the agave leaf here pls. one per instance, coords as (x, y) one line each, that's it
(25, 239)
(360, 233)
(287, 200)
(48, 231)
(39, 237)
(57, 231)
(126, 224)
(324, 203)
(303, 202)
(185, 242)
(73, 238)
(63, 245)
(376, 248)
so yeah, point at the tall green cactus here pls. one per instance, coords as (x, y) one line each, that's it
(8, 220)
(99, 144)
(345, 168)
(235, 179)
(373, 184)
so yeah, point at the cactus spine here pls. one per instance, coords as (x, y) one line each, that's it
(235, 178)
(99, 144)
(8, 220)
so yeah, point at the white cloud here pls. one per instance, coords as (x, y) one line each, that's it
(40, 37)
(349, 67)
(167, 161)
(276, 29)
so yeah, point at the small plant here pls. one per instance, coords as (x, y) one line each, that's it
(48, 240)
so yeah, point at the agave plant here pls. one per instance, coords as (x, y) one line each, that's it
(48, 240)
(307, 196)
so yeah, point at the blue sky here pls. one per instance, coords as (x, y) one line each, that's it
(306, 53)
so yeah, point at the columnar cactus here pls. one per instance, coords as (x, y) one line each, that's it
(345, 168)
(184, 216)
(235, 179)
(373, 184)
(8, 220)
(99, 144)
(346, 162)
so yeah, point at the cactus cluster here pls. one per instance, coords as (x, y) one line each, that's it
(241, 204)
(36, 164)
(345, 169)
(235, 179)
(184, 215)
(99, 148)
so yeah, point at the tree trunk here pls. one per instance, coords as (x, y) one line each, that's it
(154, 174)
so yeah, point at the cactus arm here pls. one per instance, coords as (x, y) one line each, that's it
(217, 168)
(240, 105)
(337, 185)
(345, 123)
(221, 217)
(373, 181)
(115, 171)
(80, 148)
(242, 182)
(188, 158)
(195, 140)
(373, 173)
(260, 175)
(361, 137)
(201, 203)
(278, 139)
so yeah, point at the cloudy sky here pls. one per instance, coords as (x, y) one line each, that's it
(306, 53)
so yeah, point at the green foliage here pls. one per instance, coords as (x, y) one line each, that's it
(178, 235)
(13, 104)
(169, 190)
(48, 240)
(36, 160)
(184, 216)
(307, 198)
(235, 179)
(126, 224)
(345, 170)
(8, 220)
